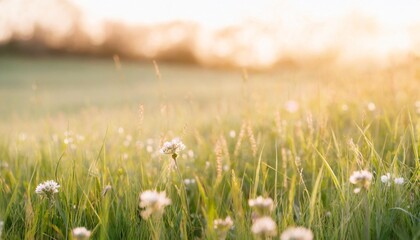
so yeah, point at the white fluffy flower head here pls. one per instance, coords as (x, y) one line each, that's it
(262, 206)
(47, 189)
(153, 203)
(81, 233)
(388, 178)
(361, 179)
(222, 226)
(292, 106)
(264, 227)
(172, 147)
(399, 181)
(298, 233)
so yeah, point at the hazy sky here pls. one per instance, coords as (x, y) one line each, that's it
(264, 32)
(217, 13)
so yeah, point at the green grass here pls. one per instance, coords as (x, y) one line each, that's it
(303, 160)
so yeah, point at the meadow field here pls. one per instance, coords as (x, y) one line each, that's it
(294, 135)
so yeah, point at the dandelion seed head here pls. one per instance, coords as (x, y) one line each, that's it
(297, 233)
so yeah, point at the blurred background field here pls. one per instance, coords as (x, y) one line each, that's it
(90, 123)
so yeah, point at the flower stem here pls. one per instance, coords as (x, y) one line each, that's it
(367, 217)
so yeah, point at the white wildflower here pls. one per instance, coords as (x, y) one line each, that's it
(399, 181)
(361, 179)
(222, 226)
(68, 140)
(226, 168)
(264, 227)
(81, 233)
(191, 153)
(120, 130)
(153, 203)
(173, 147)
(80, 138)
(386, 179)
(232, 133)
(344, 107)
(47, 189)
(189, 181)
(262, 206)
(371, 106)
(297, 233)
(149, 149)
(292, 106)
